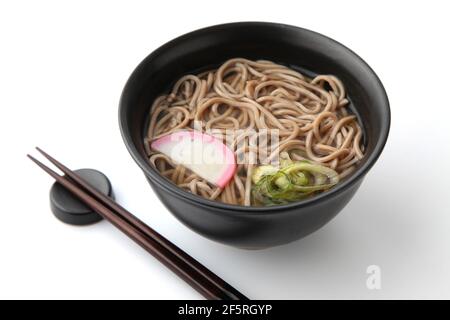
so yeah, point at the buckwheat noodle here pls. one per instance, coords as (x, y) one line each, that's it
(311, 116)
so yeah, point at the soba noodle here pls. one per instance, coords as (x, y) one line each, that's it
(311, 117)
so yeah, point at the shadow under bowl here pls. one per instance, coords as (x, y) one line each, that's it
(307, 51)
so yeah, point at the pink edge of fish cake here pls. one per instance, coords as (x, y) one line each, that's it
(230, 162)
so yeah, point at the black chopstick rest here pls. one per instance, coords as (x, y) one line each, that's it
(69, 209)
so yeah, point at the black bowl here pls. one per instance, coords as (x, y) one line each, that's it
(312, 53)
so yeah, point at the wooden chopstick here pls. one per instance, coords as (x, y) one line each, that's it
(151, 233)
(186, 267)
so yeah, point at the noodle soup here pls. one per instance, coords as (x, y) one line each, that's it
(289, 136)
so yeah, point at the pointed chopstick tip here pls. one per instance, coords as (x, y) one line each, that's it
(40, 150)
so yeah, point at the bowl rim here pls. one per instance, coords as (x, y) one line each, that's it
(166, 185)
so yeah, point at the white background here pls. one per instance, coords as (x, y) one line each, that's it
(62, 69)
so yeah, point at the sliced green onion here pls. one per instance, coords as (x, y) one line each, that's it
(294, 181)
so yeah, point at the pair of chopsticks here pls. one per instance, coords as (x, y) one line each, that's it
(186, 267)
